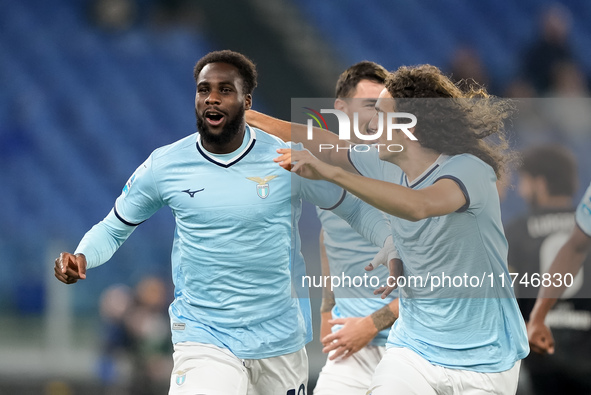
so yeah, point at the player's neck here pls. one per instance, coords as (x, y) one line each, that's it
(228, 147)
(416, 160)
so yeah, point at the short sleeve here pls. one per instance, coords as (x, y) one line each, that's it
(140, 198)
(476, 179)
(323, 194)
(583, 214)
(367, 163)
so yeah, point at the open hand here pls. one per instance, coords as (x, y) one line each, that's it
(355, 334)
(396, 269)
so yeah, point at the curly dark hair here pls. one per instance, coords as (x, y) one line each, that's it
(450, 120)
(245, 67)
(364, 70)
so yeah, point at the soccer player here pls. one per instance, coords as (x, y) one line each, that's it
(237, 326)
(445, 214)
(548, 181)
(355, 324)
(569, 260)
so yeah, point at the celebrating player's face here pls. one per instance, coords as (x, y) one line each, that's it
(220, 103)
(362, 102)
(384, 105)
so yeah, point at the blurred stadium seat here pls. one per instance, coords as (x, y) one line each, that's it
(82, 107)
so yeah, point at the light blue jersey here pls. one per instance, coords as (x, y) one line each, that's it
(583, 214)
(348, 253)
(475, 329)
(234, 243)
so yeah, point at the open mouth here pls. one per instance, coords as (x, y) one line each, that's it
(213, 117)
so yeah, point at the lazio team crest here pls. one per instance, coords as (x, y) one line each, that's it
(262, 185)
(181, 376)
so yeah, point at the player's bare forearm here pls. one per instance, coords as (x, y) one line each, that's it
(325, 326)
(444, 197)
(328, 300)
(541, 308)
(384, 318)
(288, 131)
(569, 260)
(274, 126)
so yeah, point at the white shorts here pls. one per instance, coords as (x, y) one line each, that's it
(351, 376)
(206, 369)
(404, 372)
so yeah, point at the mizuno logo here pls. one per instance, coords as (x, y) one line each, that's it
(192, 193)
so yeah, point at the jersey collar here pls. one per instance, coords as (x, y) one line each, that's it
(426, 173)
(235, 157)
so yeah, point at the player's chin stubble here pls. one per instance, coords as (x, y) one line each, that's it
(232, 127)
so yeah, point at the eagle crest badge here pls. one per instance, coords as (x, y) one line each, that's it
(262, 185)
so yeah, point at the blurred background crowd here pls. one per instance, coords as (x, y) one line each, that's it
(91, 87)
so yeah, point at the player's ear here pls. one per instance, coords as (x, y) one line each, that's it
(247, 101)
(340, 104)
(412, 131)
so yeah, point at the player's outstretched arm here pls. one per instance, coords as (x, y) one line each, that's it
(288, 131)
(70, 268)
(274, 126)
(443, 197)
(358, 332)
(370, 223)
(568, 260)
(96, 247)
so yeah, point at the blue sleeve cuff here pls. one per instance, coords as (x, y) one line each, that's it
(462, 188)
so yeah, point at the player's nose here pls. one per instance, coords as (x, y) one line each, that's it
(372, 126)
(213, 98)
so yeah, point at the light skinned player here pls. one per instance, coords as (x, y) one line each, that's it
(440, 192)
(354, 323)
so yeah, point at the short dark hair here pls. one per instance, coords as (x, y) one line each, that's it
(245, 67)
(556, 164)
(364, 70)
